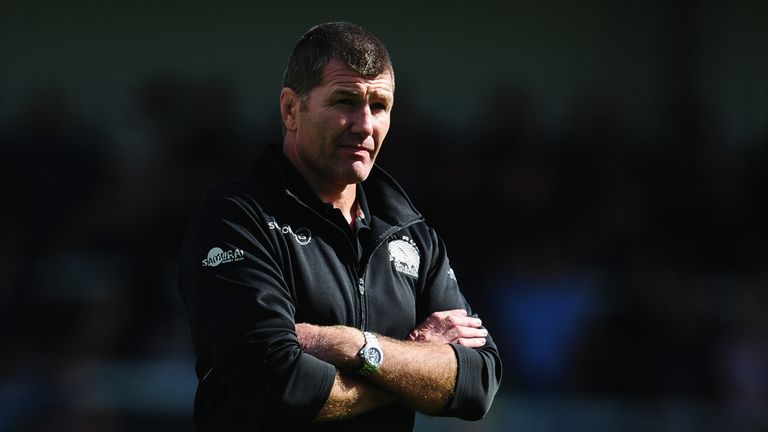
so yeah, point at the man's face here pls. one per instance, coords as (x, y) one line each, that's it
(341, 124)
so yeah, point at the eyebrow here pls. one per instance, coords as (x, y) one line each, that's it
(357, 93)
(346, 92)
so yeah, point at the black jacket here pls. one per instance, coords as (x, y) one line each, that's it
(263, 252)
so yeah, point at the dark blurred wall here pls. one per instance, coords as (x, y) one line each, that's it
(597, 170)
(102, 52)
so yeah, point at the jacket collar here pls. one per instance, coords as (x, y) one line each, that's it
(385, 199)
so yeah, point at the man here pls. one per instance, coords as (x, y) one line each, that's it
(317, 296)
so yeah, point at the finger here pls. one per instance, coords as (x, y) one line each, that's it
(456, 312)
(471, 342)
(452, 312)
(464, 321)
(470, 332)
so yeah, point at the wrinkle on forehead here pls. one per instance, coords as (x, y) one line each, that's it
(338, 76)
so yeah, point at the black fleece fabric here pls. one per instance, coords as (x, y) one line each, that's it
(263, 253)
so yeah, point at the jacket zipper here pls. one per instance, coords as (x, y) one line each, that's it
(363, 303)
(360, 277)
(361, 281)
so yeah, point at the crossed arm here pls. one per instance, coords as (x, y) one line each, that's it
(419, 372)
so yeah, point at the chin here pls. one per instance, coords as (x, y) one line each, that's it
(358, 172)
(353, 179)
(362, 175)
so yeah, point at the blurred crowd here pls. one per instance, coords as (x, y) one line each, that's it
(606, 264)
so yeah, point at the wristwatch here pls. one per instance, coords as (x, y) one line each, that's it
(371, 355)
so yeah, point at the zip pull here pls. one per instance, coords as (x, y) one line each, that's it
(361, 286)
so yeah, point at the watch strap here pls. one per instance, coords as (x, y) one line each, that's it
(371, 341)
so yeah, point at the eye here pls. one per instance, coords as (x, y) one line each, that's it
(378, 106)
(345, 102)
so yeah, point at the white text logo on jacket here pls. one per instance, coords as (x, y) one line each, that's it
(302, 235)
(218, 256)
(405, 256)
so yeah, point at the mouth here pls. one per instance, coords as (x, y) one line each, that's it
(356, 150)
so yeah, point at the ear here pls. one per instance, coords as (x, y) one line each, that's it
(289, 107)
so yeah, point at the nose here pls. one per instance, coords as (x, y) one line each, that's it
(362, 121)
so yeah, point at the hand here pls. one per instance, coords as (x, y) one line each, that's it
(450, 326)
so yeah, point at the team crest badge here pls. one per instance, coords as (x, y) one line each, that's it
(405, 256)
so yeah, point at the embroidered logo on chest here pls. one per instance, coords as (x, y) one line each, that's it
(218, 256)
(405, 256)
(302, 235)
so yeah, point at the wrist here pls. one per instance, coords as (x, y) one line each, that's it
(339, 346)
(371, 355)
(356, 341)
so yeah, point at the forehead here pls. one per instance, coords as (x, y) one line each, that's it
(337, 76)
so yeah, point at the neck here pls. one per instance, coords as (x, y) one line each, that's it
(344, 200)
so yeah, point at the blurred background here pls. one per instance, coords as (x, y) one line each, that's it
(598, 171)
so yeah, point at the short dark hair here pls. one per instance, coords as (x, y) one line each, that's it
(351, 44)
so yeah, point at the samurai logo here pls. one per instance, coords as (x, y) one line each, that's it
(405, 256)
(218, 256)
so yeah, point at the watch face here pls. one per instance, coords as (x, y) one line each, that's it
(373, 355)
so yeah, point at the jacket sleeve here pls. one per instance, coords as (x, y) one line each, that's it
(479, 369)
(241, 314)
